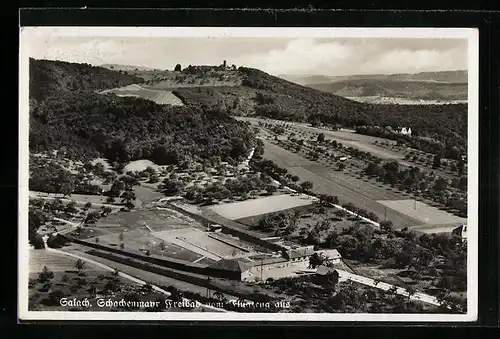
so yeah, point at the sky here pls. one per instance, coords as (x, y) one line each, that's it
(287, 56)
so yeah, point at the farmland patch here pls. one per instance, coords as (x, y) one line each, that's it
(421, 211)
(159, 96)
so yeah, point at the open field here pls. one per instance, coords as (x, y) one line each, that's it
(142, 240)
(259, 206)
(161, 97)
(324, 181)
(54, 262)
(156, 220)
(423, 212)
(436, 228)
(153, 278)
(199, 242)
(254, 219)
(79, 199)
(403, 101)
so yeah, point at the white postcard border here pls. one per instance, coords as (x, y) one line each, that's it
(472, 36)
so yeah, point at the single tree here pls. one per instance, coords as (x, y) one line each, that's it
(306, 185)
(79, 266)
(436, 163)
(45, 275)
(105, 211)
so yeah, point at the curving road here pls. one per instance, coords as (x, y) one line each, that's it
(426, 298)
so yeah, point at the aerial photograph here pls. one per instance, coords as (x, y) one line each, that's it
(247, 175)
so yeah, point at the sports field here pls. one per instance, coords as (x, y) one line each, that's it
(347, 138)
(423, 212)
(156, 220)
(260, 206)
(436, 228)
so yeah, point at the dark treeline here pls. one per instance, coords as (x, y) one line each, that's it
(86, 124)
(48, 78)
(280, 99)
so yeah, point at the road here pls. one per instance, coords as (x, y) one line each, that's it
(417, 296)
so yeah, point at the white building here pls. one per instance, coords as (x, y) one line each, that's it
(405, 131)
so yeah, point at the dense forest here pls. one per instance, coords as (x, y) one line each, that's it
(67, 114)
(269, 96)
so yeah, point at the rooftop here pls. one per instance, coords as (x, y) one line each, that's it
(233, 265)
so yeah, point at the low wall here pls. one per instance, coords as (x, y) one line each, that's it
(172, 263)
(229, 226)
(230, 243)
(197, 279)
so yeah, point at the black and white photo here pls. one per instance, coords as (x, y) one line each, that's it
(318, 174)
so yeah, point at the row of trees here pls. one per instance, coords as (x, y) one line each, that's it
(451, 194)
(452, 148)
(48, 176)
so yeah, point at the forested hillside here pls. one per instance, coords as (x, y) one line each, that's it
(265, 95)
(51, 77)
(68, 114)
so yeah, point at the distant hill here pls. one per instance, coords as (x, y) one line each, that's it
(459, 76)
(406, 89)
(262, 94)
(117, 67)
(257, 93)
(432, 86)
(67, 113)
(307, 79)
